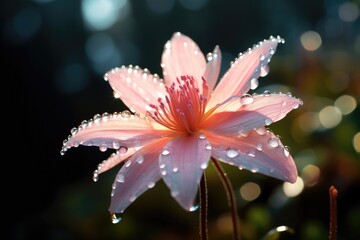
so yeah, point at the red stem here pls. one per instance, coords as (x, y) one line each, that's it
(333, 192)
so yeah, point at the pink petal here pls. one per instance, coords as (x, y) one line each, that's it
(213, 68)
(137, 88)
(256, 111)
(260, 151)
(244, 71)
(137, 175)
(182, 162)
(115, 159)
(113, 131)
(182, 56)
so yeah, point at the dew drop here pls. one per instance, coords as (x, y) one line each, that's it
(125, 114)
(165, 152)
(103, 147)
(123, 150)
(254, 170)
(264, 70)
(273, 142)
(194, 208)
(204, 165)
(268, 121)
(202, 136)
(208, 147)
(163, 172)
(116, 145)
(132, 198)
(254, 83)
(266, 93)
(174, 193)
(246, 99)
(140, 159)
(232, 153)
(115, 219)
(286, 151)
(251, 153)
(175, 169)
(120, 178)
(162, 165)
(128, 163)
(150, 184)
(261, 131)
(95, 176)
(259, 146)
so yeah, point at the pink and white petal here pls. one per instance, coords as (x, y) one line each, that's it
(260, 152)
(257, 111)
(113, 131)
(115, 158)
(182, 162)
(137, 88)
(182, 56)
(244, 71)
(138, 174)
(213, 68)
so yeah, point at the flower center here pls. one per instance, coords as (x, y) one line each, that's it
(184, 105)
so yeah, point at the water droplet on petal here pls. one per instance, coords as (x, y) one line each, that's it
(202, 136)
(204, 165)
(95, 176)
(103, 147)
(266, 93)
(125, 114)
(174, 193)
(261, 131)
(165, 152)
(273, 142)
(120, 178)
(208, 147)
(151, 184)
(132, 198)
(259, 146)
(246, 99)
(251, 153)
(128, 163)
(254, 83)
(254, 170)
(264, 70)
(115, 219)
(175, 169)
(286, 151)
(123, 150)
(232, 153)
(268, 121)
(140, 159)
(194, 208)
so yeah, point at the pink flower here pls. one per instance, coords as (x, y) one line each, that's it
(179, 123)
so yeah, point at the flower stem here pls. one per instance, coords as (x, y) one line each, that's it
(333, 192)
(203, 209)
(230, 196)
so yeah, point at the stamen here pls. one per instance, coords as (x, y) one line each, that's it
(184, 105)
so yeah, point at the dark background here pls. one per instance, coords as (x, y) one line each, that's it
(53, 60)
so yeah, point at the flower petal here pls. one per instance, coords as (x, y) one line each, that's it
(182, 162)
(213, 68)
(137, 175)
(244, 71)
(115, 158)
(259, 151)
(113, 131)
(256, 111)
(182, 56)
(137, 88)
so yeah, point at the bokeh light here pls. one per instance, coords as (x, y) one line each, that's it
(310, 40)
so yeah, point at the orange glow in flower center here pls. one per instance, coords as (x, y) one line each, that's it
(184, 105)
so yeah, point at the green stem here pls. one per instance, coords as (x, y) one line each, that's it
(203, 209)
(230, 196)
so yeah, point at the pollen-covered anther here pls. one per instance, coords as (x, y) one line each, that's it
(184, 105)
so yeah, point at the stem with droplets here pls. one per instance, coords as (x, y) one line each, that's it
(230, 196)
(203, 209)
